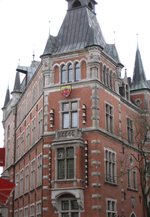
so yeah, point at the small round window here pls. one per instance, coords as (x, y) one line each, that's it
(138, 102)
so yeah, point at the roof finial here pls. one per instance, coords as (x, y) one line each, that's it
(114, 37)
(18, 62)
(33, 55)
(49, 27)
(137, 35)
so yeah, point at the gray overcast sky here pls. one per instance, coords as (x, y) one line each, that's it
(24, 26)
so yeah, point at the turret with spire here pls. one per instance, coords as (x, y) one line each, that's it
(79, 30)
(7, 98)
(139, 79)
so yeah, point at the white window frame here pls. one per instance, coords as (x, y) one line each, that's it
(69, 211)
(111, 211)
(39, 208)
(109, 117)
(65, 159)
(110, 166)
(21, 184)
(69, 112)
(26, 209)
(39, 169)
(17, 185)
(26, 178)
(32, 174)
(32, 210)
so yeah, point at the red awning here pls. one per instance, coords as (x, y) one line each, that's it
(5, 189)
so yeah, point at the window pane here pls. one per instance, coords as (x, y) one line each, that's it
(77, 72)
(65, 205)
(65, 107)
(74, 205)
(70, 73)
(61, 169)
(70, 152)
(70, 168)
(74, 214)
(74, 119)
(74, 106)
(65, 120)
(63, 74)
(66, 214)
(60, 153)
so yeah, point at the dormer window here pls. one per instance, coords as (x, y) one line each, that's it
(90, 5)
(76, 4)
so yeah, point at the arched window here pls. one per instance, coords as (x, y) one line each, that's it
(90, 5)
(63, 74)
(107, 77)
(104, 74)
(133, 215)
(8, 132)
(77, 71)
(110, 81)
(70, 73)
(127, 91)
(76, 4)
(69, 206)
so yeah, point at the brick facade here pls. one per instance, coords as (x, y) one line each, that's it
(71, 156)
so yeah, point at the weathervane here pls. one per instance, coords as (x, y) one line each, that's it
(114, 37)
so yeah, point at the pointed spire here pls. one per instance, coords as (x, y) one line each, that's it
(17, 86)
(7, 98)
(139, 78)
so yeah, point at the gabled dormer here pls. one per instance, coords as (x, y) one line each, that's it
(73, 4)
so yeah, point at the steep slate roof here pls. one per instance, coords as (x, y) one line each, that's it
(139, 79)
(7, 98)
(79, 30)
(17, 87)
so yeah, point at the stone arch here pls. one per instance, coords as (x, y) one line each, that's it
(132, 214)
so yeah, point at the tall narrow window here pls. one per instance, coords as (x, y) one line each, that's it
(33, 131)
(130, 131)
(127, 92)
(110, 81)
(109, 118)
(17, 185)
(77, 72)
(38, 209)
(63, 74)
(111, 208)
(39, 169)
(132, 179)
(32, 174)
(28, 137)
(32, 210)
(21, 182)
(70, 73)
(65, 163)
(104, 74)
(26, 214)
(26, 179)
(110, 166)
(69, 115)
(40, 122)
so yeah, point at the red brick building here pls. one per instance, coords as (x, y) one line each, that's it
(69, 126)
